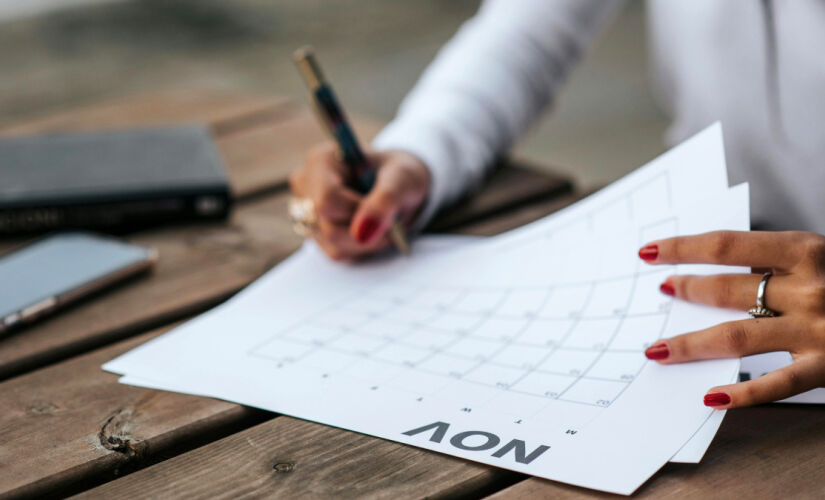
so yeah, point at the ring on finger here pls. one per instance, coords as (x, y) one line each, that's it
(761, 310)
(303, 216)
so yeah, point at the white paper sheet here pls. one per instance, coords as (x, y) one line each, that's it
(523, 352)
(691, 452)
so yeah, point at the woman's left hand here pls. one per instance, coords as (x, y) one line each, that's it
(796, 292)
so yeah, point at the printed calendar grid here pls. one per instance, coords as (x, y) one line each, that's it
(376, 325)
(354, 334)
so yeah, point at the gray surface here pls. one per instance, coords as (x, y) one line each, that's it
(86, 166)
(59, 264)
(605, 122)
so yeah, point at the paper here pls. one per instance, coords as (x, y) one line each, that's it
(426, 246)
(524, 351)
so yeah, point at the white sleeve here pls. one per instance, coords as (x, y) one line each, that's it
(486, 86)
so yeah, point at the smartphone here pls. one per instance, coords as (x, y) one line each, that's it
(40, 278)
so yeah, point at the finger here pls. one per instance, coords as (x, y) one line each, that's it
(780, 250)
(322, 179)
(791, 380)
(336, 203)
(728, 340)
(733, 291)
(378, 210)
(338, 244)
(321, 167)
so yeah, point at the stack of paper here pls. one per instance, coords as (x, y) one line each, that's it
(522, 351)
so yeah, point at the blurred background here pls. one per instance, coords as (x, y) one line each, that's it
(56, 54)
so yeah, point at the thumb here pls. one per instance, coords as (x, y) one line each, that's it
(377, 211)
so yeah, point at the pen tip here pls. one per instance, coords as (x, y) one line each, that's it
(398, 237)
(303, 52)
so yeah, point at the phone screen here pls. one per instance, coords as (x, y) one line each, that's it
(60, 264)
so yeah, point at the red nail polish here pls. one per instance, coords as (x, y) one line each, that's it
(367, 229)
(717, 399)
(657, 351)
(667, 289)
(649, 253)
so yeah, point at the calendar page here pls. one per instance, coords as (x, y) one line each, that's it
(522, 351)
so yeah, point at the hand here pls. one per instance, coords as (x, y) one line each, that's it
(796, 291)
(350, 225)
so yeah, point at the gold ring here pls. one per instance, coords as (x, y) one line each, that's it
(303, 216)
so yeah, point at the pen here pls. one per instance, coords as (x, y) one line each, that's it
(332, 117)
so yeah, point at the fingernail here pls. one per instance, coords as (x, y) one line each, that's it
(649, 253)
(717, 399)
(667, 289)
(657, 351)
(367, 229)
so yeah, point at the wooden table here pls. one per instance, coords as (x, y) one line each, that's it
(67, 427)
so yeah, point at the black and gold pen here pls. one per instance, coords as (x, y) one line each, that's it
(332, 118)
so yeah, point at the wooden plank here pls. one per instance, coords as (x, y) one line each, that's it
(72, 422)
(288, 458)
(512, 185)
(771, 451)
(521, 215)
(260, 138)
(223, 110)
(199, 266)
(261, 157)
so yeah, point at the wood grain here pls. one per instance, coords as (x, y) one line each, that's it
(520, 215)
(289, 458)
(261, 139)
(222, 110)
(512, 185)
(771, 451)
(260, 157)
(72, 422)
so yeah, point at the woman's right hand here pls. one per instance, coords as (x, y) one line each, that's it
(350, 225)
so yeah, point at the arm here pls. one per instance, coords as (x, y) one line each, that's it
(487, 85)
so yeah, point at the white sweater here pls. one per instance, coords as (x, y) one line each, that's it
(756, 65)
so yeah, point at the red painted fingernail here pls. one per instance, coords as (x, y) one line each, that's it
(649, 253)
(667, 289)
(657, 351)
(717, 399)
(367, 229)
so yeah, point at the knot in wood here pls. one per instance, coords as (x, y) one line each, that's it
(114, 434)
(283, 467)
